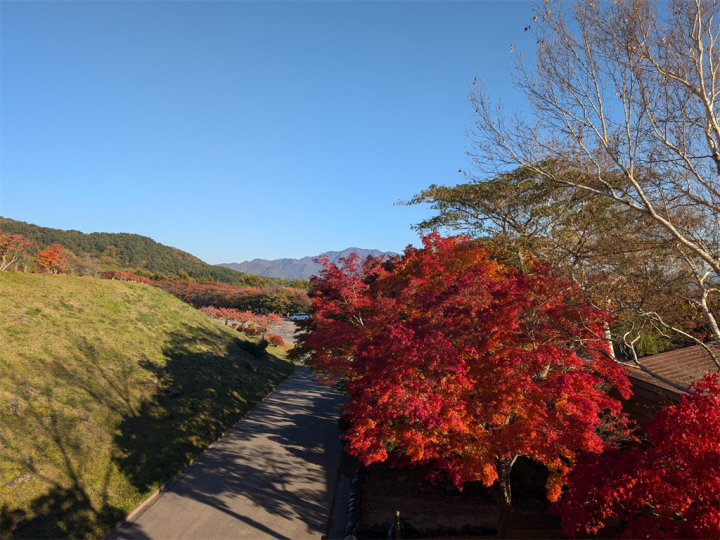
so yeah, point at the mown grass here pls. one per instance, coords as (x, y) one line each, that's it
(107, 389)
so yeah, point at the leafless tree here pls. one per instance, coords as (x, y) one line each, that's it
(623, 100)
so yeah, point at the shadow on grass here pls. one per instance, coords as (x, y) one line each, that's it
(201, 392)
(283, 460)
(65, 510)
(200, 395)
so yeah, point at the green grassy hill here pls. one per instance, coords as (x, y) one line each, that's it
(107, 389)
(124, 250)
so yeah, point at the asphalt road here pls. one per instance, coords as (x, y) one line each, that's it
(271, 476)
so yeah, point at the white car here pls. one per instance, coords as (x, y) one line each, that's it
(300, 317)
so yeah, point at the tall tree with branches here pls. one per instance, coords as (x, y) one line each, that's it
(623, 101)
(14, 250)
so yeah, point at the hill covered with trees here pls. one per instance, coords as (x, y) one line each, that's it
(140, 254)
(133, 251)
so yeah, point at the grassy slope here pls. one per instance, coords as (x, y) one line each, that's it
(107, 389)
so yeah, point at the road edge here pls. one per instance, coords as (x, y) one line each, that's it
(140, 509)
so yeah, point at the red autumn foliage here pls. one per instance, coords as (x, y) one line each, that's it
(226, 314)
(245, 317)
(453, 360)
(124, 276)
(274, 339)
(271, 298)
(265, 323)
(210, 311)
(668, 490)
(249, 323)
(220, 295)
(52, 260)
(13, 249)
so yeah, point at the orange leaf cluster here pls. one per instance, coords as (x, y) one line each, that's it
(53, 260)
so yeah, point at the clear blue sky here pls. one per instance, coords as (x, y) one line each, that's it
(236, 130)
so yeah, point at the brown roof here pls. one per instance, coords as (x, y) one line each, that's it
(683, 366)
(639, 378)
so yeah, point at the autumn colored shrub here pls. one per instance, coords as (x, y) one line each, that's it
(210, 311)
(249, 330)
(124, 276)
(265, 323)
(219, 297)
(52, 260)
(274, 339)
(668, 490)
(226, 314)
(454, 360)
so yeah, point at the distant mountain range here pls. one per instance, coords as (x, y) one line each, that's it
(297, 268)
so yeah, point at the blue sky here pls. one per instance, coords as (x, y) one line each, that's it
(236, 130)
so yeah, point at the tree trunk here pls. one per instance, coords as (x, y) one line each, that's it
(504, 467)
(608, 337)
(710, 318)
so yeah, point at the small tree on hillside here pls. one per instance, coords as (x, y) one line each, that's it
(265, 323)
(244, 317)
(227, 314)
(85, 265)
(53, 260)
(453, 360)
(14, 250)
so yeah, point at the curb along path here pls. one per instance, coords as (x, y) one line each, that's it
(271, 476)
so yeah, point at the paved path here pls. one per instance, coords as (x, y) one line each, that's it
(286, 329)
(271, 476)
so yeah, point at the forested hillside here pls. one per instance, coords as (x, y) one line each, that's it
(123, 250)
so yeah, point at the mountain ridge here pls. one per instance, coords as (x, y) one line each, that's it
(303, 268)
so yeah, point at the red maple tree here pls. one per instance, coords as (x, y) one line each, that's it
(226, 314)
(14, 249)
(670, 489)
(265, 323)
(453, 360)
(52, 260)
(244, 317)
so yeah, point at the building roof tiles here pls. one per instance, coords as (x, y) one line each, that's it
(683, 366)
